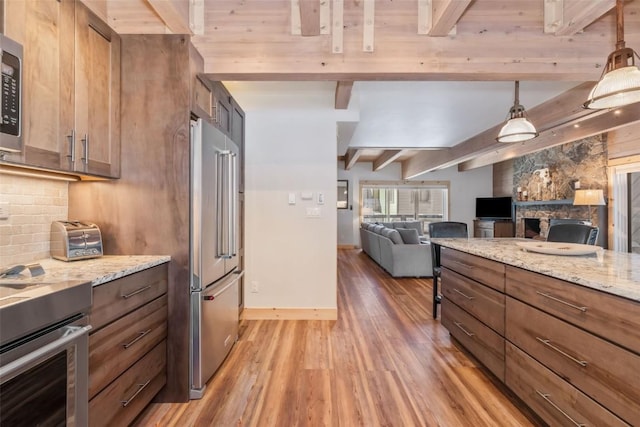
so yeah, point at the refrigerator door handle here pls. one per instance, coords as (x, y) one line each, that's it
(231, 188)
(221, 289)
(219, 205)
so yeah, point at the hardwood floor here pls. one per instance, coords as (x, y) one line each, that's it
(384, 362)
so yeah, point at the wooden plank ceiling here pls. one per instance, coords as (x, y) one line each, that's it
(352, 40)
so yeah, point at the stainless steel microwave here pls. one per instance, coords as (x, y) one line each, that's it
(11, 126)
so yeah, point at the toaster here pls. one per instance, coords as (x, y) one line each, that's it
(74, 240)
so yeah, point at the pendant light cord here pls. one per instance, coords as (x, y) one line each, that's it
(620, 24)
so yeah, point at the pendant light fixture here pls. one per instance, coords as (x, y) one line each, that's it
(517, 128)
(620, 81)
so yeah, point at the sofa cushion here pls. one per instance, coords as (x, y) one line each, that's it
(378, 228)
(395, 237)
(409, 236)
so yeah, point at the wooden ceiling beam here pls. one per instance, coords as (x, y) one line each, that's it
(561, 109)
(174, 13)
(595, 124)
(578, 14)
(445, 15)
(386, 158)
(343, 94)
(310, 17)
(351, 158)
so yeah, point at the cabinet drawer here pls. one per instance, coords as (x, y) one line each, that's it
(604, 371)
(613, 318)
(115, 299)
(553, 399)
(481, 341)
(483, 270)
(117, 346)
(126, 397)
(484, 303)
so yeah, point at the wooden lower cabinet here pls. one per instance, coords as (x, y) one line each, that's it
(486, 345)
(553, 399)
(569, 352)
(493, 229)
(608, 373)
(480, 301)
(121, 402)
(127, 347)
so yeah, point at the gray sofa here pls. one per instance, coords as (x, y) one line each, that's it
(387, 247)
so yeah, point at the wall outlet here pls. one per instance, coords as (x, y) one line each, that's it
(255, 287)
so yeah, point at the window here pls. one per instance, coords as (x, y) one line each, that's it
(404, 201)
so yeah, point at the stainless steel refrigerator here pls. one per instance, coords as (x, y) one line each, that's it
(213, 255)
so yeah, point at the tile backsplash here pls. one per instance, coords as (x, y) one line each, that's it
(33, 204)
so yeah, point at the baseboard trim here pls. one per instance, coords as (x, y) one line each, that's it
(289, 313)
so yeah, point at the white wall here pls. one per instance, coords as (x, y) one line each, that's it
(290, 148)
(464, 188)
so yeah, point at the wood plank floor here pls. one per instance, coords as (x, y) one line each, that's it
(384, 362)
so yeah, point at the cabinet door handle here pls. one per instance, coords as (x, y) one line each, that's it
(85, 146)
(463, 294)
(545, 396)
(556, 299)
(136, 292)
(72, 147)
(461, 327)
(136, 339)
(138, 391)
(546, 342)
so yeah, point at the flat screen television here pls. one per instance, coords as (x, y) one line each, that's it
(493, 207)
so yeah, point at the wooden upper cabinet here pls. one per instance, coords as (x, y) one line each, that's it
(201, 99)
(71, 87)
(237, 136)
(45, 28)
(97, 95)
(222, 108)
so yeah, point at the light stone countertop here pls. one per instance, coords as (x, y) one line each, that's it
(96, 270)
(617, 274)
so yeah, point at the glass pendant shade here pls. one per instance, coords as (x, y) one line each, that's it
(619, 84)
(516, 130)
(615, 89)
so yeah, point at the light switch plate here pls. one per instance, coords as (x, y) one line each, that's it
(321, 198)
(292, 198)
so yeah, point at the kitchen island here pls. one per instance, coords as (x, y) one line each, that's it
(562, 332)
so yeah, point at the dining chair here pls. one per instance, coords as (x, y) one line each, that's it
(442, 229)
(573, 233)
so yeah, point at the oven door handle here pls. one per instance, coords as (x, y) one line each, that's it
(16, 367)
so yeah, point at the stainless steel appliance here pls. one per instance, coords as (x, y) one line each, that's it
(11, 126)
(74, 240)
(44, 348)
(214, 261)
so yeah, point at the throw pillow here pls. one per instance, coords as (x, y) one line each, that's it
(410, 236)
(395, 237)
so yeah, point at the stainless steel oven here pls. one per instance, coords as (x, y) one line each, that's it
(44, 354)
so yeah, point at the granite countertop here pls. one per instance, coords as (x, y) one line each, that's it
(96, 270)
(617, 274)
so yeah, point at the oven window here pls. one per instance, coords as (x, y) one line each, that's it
(37, 397)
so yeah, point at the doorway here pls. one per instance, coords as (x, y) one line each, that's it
(625, 181)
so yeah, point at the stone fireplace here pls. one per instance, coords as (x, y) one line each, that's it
(538, 228)
(550, 178)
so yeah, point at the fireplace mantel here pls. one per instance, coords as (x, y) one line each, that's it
(544, 202)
